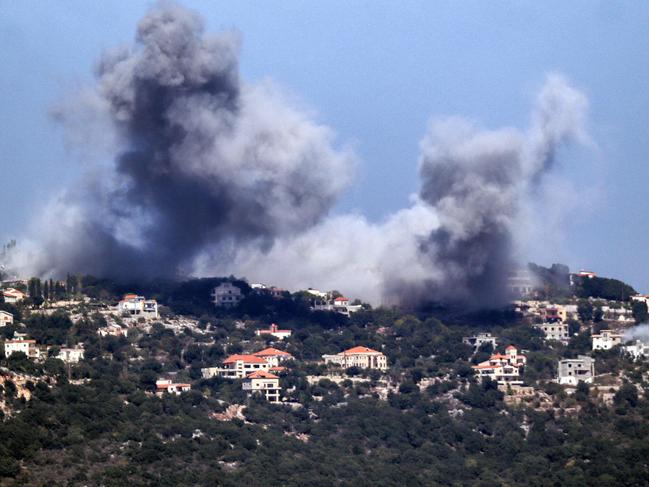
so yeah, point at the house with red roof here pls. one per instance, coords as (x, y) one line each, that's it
(504, 368)
(168, 386)
(275, 332)
(363, 357)
(12, 295)
(28, 347)
(273, 356)
(262, 382)
(6, 318)
(237, 366)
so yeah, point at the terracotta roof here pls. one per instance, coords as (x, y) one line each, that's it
(20, 341)
(166, 386)
(485, 366)
(260, 374)
(271, 352)
(250, 359)
(498, 356)
(341, 298)
(359, 350)
(511, 347)
(277, 369)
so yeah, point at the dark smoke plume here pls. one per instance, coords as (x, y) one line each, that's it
(205, 161)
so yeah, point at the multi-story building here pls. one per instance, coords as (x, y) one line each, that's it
(557, 331)
(71, 355)
(134, 305)
(263, 382)
(167, 385)
(274, 331)
(28, 347)
(237, 367)
(504, 369)
(273, 356)
(226, 295)
(6, 318)
(572, 371)
(606, 339)
(362, 357)
(481, 338)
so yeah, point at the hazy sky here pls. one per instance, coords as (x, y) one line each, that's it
(376, 72)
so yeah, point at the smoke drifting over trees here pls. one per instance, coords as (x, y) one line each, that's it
(216, 176)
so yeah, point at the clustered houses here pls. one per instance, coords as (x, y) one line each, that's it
(504, 369)
(606, 340)
(6, 318)
(138, 306)
(274, 331)
(167, 385)
(557, 331)
(362, 357)
(263, 290)
(12, 295)
(340, 305)
(28, 347)
(478, 340)
(547, 311)
(255, 371)
(226, 295)
(575, 370)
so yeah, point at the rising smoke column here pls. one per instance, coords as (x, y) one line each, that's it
(204, 160)
(478, 181)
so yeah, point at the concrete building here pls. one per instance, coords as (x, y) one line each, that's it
(226, 295)
(362, 357)
(71, 355)
(139, 306)
(504, 369)
(274, 331)
(557, 331)
(637, 350)
(264, 383)
(6, 318)
(478, 340)
(237, 367)
(28, 347)
(571, 371)
(166, 385)
(606, 340)
(520, 283)
(273, 356)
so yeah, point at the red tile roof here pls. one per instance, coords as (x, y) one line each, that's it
(511, 347)
(249, 359)
(359, 350)
(260, 374)
(341, 298)
(271, 352)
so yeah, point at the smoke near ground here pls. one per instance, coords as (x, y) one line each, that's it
(639, 332)
(215, 176)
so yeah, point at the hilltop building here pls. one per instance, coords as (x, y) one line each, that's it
(362, 357)
(134, 305)
(274, 331)
(263, 382)
(572, 371)
(340, 305)
(504, 369)
(226, 295)
(606, 340)
(478, 340)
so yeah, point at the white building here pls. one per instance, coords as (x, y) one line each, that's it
(606, 340)
(6, 318)
(71, 355)
(362, 357)
(340, 305)
(134, 305)
(504, 369)
(262, 382)
(12, 295)
(28, 347)
(572, 371)
(481, 338)
(637, 350)
(226, 295)
(274, 331)
(557, 331)
(237, 367)
(166, 385)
